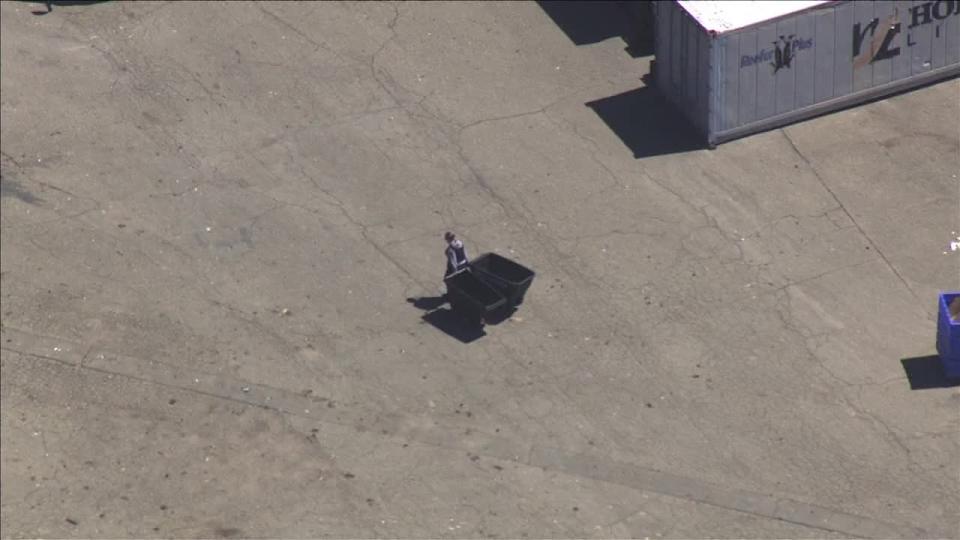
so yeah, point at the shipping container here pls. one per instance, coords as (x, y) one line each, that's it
(739, 67)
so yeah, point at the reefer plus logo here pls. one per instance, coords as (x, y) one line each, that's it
(782, 54)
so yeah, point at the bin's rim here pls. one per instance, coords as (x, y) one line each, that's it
(487, 254)
(480, 306)
(944, 296)
(944, 306)
(500, 300)
(457, 273)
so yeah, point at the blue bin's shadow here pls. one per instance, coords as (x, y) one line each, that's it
(925, 372)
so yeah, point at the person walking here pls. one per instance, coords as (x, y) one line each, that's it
(456, 254)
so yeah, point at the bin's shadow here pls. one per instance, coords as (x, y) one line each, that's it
(925, 372)
(428, 303)
(648, 124)
(452, 324)
(595, 21)
(62, 3)
(445, 320)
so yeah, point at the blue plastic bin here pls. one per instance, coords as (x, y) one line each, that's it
(948, 336)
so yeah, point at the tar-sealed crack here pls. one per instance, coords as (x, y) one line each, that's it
(836, 199)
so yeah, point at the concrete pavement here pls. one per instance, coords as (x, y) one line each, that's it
(213, 217)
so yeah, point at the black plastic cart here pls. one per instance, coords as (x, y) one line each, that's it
(510, 278)
(471, 298)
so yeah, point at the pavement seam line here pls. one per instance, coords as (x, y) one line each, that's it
(873, 244)
(597, 468)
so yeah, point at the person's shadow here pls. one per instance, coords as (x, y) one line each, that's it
(445, 320)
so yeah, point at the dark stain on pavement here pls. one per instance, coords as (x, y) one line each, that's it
(12, 188)
(227, 532)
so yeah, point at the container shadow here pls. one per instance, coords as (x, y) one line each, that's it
(925, 372)
(647, 123)
(592, 22)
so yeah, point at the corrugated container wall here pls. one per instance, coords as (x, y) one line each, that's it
(682, 50)
(803, 64)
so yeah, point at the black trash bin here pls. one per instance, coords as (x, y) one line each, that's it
(471, 297)
(512, 279)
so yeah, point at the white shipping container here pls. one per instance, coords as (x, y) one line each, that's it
(739, 67)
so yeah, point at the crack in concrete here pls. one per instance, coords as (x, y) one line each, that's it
(373, 57)
(647, 176)
(59, 218)
(892, 434)
(596, 467)
(620, 520)
(541, 110)
(857, 387)
(11, 159)
(317, 45)
(90, 270)
(816, 277)
(614, 232)
(836, 199)
(214, 97)
(491, 192)
(146, 16)
(339, 205)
